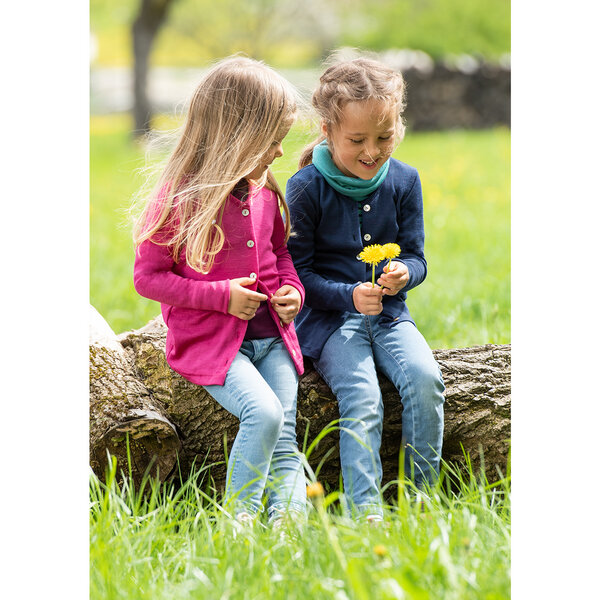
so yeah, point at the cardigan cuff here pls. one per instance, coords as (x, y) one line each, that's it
(212, 295)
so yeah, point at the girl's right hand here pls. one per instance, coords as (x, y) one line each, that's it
(243, 303)
(367, 299)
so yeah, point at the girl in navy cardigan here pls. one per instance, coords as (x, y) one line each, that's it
(211, 248)
(349, 194)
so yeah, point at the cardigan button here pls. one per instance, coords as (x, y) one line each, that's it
(245, 212)
(367, 207)
(252, 275)
(367, 237)
(250, 244)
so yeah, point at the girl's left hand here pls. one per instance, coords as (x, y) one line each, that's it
(286, 303)
(394, 278)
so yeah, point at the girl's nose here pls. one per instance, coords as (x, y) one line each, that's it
(278, 151)
(372, 149)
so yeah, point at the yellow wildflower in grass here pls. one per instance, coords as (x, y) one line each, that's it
(380, 550)
(315, 490)
(372, 255)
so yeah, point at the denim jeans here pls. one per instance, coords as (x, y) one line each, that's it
(348, 364)
(260, 390)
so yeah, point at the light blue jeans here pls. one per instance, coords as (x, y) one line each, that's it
(348, 364)
(260, 390)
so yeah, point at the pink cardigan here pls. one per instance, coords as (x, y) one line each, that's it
(202, 337)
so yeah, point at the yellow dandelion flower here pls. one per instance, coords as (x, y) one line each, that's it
(390, 250)
(372, 255)
(380, 550)
(315, 490)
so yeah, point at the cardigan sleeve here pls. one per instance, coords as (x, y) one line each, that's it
(411, 234)
(154, 278)
(321, 292)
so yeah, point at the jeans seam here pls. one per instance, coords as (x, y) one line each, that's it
(235, 474)
(408, 380)
(372, 452)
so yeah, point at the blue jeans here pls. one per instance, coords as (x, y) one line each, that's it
(260, 390)
(348, 364)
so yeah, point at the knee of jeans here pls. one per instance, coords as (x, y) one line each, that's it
(269, 417)
(428, 379)
(368, 410)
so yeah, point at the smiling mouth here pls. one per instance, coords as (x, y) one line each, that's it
(368, 164)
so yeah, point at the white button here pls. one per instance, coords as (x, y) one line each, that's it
(214, 221)
(358, 257)
(245, 212)
(250, 243)
(252, 275)
(293, 353)
(366, 208)
(367, 237)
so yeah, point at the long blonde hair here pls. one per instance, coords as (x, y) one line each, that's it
(236, 113)
(356, 80)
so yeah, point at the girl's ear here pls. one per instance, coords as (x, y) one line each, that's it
(324, 128)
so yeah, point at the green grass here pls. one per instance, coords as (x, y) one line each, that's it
(465, 299)
(178, 543)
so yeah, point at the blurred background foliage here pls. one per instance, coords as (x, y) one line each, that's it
(288, 33)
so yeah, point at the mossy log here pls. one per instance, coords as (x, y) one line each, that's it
(131, 374)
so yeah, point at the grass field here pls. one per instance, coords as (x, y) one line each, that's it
(179, 544)
(465, 299)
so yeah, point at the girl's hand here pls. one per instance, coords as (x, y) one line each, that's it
(286, 302)
(394, 278)
(243, 303)
(367, 299)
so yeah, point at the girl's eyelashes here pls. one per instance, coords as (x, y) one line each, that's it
(382, 138)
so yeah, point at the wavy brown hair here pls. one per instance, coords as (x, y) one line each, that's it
(237, 111)
(356, 80)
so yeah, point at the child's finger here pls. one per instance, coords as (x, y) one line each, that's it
(244, 281)
(257, 296)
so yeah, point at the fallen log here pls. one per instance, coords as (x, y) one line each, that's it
(125, 420)
(477, 410)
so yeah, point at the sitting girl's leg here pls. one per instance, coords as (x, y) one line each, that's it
(247, 395)
(346, 364)
(405, 358)
(286, 485)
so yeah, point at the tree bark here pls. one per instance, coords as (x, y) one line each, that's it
(152, 14)
(477, 408)
(125, 419)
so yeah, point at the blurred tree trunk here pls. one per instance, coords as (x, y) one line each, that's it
(151, 17)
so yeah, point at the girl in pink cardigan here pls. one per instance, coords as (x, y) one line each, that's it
(211, 248)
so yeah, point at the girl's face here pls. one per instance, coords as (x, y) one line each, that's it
(364, 138)
(274, 151)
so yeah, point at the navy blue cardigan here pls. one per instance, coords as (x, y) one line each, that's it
(327, 237)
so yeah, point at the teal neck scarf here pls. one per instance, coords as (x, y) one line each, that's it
(353, 187)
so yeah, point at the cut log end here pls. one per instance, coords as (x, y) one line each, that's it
(146, 445)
